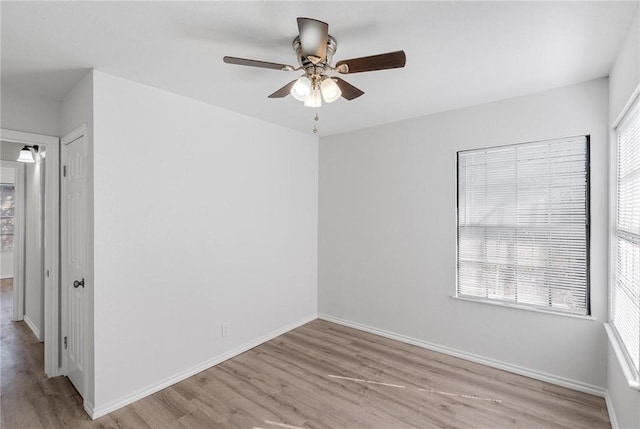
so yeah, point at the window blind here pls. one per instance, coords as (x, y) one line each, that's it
(523, 230)
(625, 307)
(7, 216)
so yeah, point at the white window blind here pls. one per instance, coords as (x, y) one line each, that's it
(625, 305)
(523, 224)
(7, 216)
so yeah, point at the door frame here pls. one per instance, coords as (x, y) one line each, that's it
(51, 243)
(18, 239)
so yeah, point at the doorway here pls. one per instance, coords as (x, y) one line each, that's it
(36, 240)
(12, 199)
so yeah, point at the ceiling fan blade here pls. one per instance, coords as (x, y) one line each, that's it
(314, 35)
(348, 91)
(284, 91)
(256, 63)
(390, 60)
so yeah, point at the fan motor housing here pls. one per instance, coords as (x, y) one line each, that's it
(305, 63)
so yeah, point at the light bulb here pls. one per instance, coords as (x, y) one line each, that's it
(330, 90)
(314, 99)
(301, 89)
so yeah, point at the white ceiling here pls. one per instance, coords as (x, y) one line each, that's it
(458, 53)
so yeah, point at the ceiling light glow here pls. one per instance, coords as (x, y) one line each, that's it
(301, 89)
(314, 99)
(330, 90)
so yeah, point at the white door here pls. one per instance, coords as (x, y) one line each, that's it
(74, 255)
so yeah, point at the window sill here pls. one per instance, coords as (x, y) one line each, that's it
(525, 307)
(622, 360)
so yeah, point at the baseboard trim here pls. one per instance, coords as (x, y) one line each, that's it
(88, 408)
(538, 375)
(612, 413)
(33, 327)
(96, 412)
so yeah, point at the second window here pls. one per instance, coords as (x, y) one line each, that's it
(523, 224)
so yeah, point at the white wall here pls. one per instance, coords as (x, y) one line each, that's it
(8, 175)
(202, 216)
(387, 233)
(624, 78)
(32, 115)
(34, 248)
(6, 265)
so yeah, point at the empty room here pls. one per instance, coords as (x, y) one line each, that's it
(305, 214)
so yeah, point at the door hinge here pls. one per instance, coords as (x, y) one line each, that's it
(64, 171)
(65, 343)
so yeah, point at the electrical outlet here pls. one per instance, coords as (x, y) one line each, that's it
(225, 329)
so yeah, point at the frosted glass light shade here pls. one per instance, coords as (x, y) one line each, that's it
(330, 90)
(301, 89)
(25, 155)
(314, 99)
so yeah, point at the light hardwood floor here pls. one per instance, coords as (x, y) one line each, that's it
(321, 375)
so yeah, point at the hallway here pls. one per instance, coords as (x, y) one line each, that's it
(29, 399)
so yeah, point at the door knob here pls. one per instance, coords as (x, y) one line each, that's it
(77, 283)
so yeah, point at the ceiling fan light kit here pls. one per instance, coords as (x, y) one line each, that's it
(314, 99)
(330, 90)
(301, 89)
(310, 90)
(314, 48)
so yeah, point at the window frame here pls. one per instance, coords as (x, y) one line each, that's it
(631, 373)
(520, 305)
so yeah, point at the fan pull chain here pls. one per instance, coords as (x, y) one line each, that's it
(315, 129)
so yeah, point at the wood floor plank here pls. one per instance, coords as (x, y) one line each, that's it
(320, 375)
(127, 418)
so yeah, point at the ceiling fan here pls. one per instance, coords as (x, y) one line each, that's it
(315, 48)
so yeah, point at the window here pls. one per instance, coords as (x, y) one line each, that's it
(7, 215)
(523, 225)
(625, 294)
